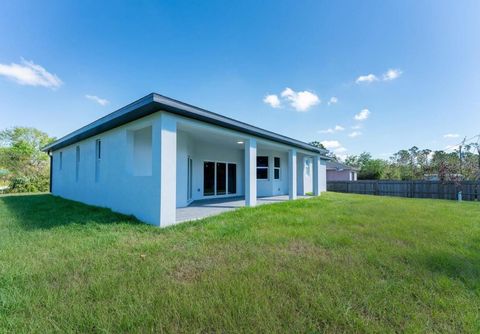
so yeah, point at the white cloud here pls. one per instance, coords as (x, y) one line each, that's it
(332, 130)
(366, 78)
(362, 115)
(451, 147)
(357, 126)
(451, 135)
(331, 144)
(355, 134)
(300, 101)
(391, 74)
(333, 100)
(31, 74)
(272, 100)
(336, 147)
(100, 101)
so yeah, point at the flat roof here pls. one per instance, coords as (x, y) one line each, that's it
(155, 102)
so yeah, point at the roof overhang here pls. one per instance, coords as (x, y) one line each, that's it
(153, 103)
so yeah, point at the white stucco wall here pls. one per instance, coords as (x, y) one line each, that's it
(118, 187)
(271, 186)
(323, 176)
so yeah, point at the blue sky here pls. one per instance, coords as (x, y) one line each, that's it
(64, 64)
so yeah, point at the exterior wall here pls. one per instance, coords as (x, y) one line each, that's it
(343, 175)
(119, 182)
(200, 152)
(118, 185)
(304, 175)
(272, 187)
(323, 176)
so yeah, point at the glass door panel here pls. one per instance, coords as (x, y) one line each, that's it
(232, 178)
(221, 178)
(208, 178)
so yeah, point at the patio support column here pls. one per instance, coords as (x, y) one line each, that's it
(316, 175)
(250, 172)
(292, 174)
(168, 169)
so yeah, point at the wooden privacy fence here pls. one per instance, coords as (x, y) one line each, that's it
(414, 189)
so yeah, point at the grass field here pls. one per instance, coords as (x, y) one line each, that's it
(338, 263)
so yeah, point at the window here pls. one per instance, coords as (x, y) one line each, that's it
(262, 168)
(276, 168)
(98, 157)
(98, 147)
(60, 164)
(77, 163)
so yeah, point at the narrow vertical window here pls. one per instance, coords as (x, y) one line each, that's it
(276, 166)
(60, 163)
(98, 158)
(77, 163)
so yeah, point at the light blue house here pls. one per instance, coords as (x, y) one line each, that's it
(157, 154)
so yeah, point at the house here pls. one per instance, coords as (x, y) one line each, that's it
(337, 171)
(158, 154)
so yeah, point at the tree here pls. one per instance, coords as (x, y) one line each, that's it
(26, 166)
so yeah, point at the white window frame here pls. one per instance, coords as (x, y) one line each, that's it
(263, 167)
(215, 179)
(279, 168)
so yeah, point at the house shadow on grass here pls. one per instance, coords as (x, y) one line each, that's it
(45, 211)
(462, 266)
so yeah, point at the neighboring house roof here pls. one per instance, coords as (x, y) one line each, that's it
(155, 102)
(335, 165)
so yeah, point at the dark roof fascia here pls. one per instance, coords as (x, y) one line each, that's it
(155, 102)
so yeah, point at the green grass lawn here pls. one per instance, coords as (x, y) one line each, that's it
(338, 263)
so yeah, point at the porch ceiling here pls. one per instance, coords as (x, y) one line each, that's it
(210, 137)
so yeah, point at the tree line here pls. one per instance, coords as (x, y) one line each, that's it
(23, 165)
(462, 163)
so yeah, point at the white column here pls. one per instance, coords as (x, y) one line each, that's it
(316, 175)
(250, 172)
(292, 174)
(168, 169)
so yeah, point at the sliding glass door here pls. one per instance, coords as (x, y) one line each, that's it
(219, 178)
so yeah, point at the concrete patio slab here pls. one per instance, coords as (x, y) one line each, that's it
(211, 207)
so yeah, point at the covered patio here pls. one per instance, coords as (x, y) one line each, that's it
(211, 207)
